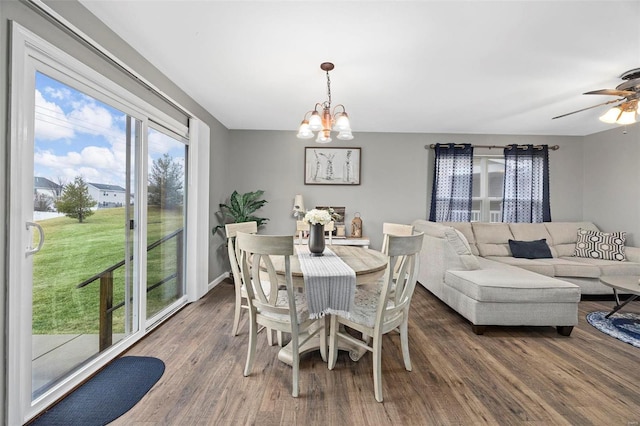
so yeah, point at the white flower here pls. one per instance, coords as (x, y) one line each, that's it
(316, 216)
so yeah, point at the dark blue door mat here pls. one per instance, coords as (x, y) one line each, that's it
(107, 395)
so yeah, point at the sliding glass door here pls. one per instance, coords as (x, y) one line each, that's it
(97, 241)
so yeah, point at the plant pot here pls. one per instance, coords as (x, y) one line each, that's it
(316, 239)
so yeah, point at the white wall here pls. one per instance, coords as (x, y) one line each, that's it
(395, 181)
(612, 181)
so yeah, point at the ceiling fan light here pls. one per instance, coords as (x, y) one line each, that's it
(345, 135)
(627, 117)
(611, 116)
(304, 132)
(315, 122)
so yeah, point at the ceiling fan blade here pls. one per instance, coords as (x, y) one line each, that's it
(611, 92)
(584, 109)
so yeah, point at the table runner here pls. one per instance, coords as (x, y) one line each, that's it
(330, 284)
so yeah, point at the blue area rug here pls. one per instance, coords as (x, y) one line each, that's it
(622, 326)
(107, 395)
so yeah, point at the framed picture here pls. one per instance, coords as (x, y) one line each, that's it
(331, 166)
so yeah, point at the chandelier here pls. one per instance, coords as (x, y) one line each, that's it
(323, 120)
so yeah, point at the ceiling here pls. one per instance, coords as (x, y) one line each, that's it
(483, 67)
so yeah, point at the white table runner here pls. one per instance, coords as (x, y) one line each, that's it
(330, 284)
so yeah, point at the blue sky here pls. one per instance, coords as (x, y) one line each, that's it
(76, 134)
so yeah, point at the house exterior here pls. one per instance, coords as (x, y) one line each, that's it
(107, 196)
(45, 192)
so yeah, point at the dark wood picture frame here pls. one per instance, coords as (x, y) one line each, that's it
(332, 166)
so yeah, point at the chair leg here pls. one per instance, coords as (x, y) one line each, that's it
(333, 344)
(251, 352)
(296, 370)
(279, 337)
(236, 315)
(377, 367)
(404, 341)
(269, 336)
(323, 338)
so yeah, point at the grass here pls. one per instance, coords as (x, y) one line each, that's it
(73, 252)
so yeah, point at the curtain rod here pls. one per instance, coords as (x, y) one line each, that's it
(553, 147)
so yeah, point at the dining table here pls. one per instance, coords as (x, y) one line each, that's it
(369, 266)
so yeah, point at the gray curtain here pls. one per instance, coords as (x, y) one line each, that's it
(526, 184)
(452, 180)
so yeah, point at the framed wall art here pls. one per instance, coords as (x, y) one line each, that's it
(332, 166)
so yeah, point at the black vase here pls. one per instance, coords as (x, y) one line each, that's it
(316, 239)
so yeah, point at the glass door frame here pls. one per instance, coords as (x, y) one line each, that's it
(30, 53)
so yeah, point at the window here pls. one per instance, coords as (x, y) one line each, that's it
(488, 178)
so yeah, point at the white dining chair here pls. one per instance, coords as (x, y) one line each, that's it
(376, 313)
(389, 228)
(281, 309)
(302, 229)
(231, 230)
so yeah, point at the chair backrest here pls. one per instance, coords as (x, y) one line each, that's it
(403, 251)
(256, 266)
(302, 226)
(232, 230)
(394, 229)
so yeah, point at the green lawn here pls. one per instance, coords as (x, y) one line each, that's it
(73, 252)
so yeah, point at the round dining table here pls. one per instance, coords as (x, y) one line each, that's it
(369, 266)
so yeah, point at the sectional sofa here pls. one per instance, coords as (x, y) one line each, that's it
(471, 267)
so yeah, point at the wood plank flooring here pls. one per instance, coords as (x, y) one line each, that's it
(508, 376)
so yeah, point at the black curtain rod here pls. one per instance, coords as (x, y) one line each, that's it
(433, 146)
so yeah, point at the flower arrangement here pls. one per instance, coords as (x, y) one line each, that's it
(316, 217)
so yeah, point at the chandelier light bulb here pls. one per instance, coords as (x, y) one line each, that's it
(315, 122)
(304, 132)
(345, 136)
(342, 123)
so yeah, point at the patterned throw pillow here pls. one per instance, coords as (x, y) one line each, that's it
(600, 245)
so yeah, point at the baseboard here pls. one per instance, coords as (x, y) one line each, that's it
(217, 281)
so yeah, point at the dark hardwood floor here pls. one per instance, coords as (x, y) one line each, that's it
(508, 376)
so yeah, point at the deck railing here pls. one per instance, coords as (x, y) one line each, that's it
(106, 307)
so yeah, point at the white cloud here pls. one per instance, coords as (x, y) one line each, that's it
(91, 118)
(50, 121)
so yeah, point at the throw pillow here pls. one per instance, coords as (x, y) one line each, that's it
(537, 249)
(600, 245)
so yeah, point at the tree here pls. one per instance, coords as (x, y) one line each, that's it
(75, 201)
(165, 183)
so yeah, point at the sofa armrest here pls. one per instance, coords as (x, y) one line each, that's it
(632, 254)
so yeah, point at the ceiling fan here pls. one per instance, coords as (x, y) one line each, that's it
(628, 94)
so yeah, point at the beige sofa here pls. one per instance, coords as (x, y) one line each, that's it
(469, 266)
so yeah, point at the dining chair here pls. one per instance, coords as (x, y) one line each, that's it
(394, 229)
(302, 226)
(281, 309)
(375, 314)
(231, 230)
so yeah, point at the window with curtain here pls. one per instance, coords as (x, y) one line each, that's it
(452, 183)
(526, 184)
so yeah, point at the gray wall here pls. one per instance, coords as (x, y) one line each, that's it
(395, 180)
(611, 181)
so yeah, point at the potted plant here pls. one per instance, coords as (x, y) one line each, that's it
(241, 208)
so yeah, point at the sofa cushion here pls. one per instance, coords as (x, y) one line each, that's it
(467, 231)
(600, 245)
(460, 245)
(492, 238)
(534, 265)
(572, 267)
(611, 267)
(536, 249)
(564, 236)
(508, 286)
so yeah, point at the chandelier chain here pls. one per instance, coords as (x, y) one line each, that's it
(329, 88)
